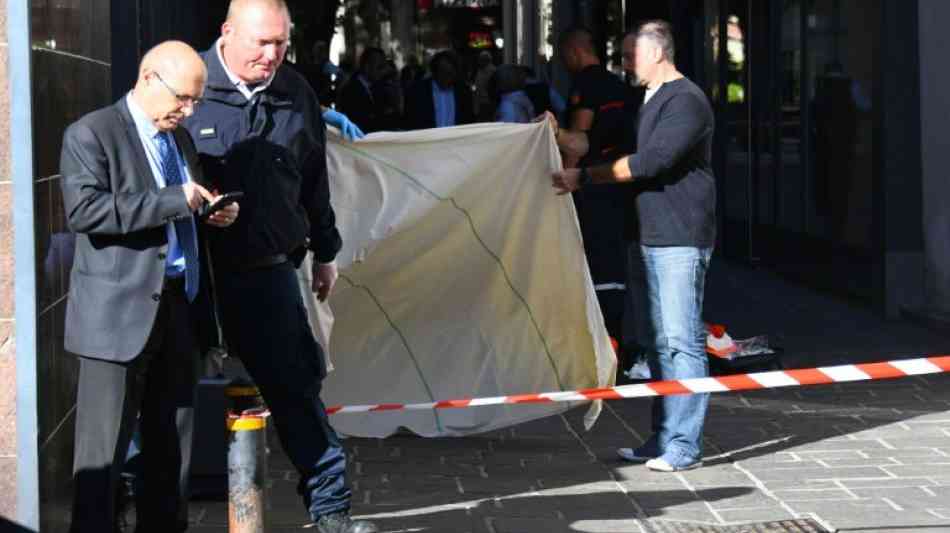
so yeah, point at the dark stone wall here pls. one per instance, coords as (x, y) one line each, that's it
(72, 75)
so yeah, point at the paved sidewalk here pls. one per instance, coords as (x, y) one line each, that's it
(869, 457)
(859, 457)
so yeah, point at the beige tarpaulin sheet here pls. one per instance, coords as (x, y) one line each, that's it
(462, 275)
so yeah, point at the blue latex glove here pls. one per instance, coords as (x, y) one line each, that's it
(350, 130)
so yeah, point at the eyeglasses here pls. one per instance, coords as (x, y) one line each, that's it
(190, 101)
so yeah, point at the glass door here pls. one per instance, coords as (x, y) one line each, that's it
(732, 97)
(820, 230)
(791, 82)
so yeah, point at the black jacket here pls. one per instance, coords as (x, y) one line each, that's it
(119, 216)
(420, 107)
(540, 95)
(273, 148)
(356, 102)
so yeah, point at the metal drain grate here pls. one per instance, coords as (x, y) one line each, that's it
(782, 526)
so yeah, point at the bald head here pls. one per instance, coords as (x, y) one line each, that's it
(578, 38)
(170, 83)
(238, 7)
(577, 49)
(172, 57)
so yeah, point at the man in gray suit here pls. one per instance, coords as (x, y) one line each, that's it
(139, 307)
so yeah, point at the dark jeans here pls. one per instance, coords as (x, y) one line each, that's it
(600, 213)
(265, 324)
(160, 385)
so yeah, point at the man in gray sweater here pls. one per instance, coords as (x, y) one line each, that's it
(671, 225)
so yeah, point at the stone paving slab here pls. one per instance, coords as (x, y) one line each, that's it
(851, 467)
(763, 514)
(754, 499)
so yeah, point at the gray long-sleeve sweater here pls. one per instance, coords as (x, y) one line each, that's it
(675, 197)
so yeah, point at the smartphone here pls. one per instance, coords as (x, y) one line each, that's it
(225, 200)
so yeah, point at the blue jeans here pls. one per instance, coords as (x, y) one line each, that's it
(666, 286)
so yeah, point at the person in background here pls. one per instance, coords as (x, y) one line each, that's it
(357, 100)
(441, 100)
(543, 97)
(508, 90)
(321, 73)
(387, 93)
(411, 72)
(344, 73)
(484, 108)
(672, 221)
(261, 131)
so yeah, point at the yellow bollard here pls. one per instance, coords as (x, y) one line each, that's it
(243, 396)
(247, 470)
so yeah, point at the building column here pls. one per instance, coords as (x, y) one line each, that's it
(403, 32)
(897, 171)
(7, 322)
(934, 43)
(19, 481)
(522, 31)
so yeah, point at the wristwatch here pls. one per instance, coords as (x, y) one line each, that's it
(584, 179)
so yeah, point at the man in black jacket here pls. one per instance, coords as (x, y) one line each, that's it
(139, 305)
(356, 97)
(671, 228)
(441, 100)
(260, 131)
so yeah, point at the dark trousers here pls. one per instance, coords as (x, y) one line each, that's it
(159, 384)
(600, 213)
(265, 324)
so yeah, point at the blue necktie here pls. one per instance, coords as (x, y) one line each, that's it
(184, 229)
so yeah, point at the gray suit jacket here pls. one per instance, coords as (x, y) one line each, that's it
(119, 216)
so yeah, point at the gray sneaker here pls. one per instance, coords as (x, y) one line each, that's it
(342, 523)
(639, 455)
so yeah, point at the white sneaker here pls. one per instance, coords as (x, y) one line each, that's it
(660, 465)
(639, 370)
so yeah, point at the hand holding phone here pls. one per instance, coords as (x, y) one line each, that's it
(223, 201)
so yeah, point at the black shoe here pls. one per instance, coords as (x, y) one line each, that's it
(342, 523)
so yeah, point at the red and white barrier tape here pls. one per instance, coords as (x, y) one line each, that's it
(738, 382)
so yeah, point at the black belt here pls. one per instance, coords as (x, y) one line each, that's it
(258, 263)
(174, 284)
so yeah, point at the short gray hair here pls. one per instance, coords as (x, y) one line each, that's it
(661, 33)
(236, 6)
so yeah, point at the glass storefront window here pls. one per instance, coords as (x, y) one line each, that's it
(789, 206)
(841, 61)
(733, 92)
(711, 48)
(735, 58)
(614, 31)
(792, 81)
(546, 25)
